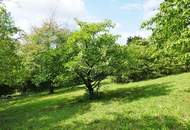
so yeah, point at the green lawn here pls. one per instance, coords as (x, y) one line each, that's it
(160, 104)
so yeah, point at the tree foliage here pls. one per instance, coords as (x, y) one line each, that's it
(50, 39)
(9, 61)
(52, 55)
(170, 34)
(91, 52)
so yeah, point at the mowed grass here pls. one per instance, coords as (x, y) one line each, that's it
(160, 104)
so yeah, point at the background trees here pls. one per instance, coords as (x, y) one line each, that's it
(170, 34)
(138, 63)
(52, 55)
(9, 61)
(166, 51)
(50, 39)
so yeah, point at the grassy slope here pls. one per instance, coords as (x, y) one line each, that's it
(156, 104)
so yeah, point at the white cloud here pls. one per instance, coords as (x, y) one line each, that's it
(148, 7)
(126, 35)
(151, 7)
(131, 6)
(27, 13)
(142, 33)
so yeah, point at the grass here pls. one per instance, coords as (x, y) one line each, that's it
(160, 104)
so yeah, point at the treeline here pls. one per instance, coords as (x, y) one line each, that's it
(53, 56)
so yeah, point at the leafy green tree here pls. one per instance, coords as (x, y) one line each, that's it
(9, 61)
(50, 35)
(121, 61)
(138, 63)
(91, 53)
(50, 67)
(170, 34)
(141, 65)
(49, 61)
(28, 54)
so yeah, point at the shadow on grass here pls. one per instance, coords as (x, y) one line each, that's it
(26, 99)
(41, 114)
(46, 113)
(136, 92)
(69, 89)
(187, 90)
(121, 122)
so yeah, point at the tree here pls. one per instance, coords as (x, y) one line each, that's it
(50, 35)
(28, 54)
(170, 34)
(120, 62)
(141, 65)
(8, 49)
(49, 61)
(91, 53)
(138, 61)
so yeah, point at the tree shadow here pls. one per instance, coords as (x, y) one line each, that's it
(69, 89)
(35, 96)
(187, 90)
(136, 92)
(121, 122)
(42, 113)
(50, 111)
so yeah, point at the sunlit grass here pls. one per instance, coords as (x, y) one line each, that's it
(155, 104)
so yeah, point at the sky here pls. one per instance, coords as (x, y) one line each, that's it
(128, 15)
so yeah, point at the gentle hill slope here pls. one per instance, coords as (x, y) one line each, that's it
(162, 103)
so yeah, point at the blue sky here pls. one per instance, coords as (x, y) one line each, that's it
(126, 14)
(130, 19)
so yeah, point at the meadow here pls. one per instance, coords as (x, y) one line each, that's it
(159, 104)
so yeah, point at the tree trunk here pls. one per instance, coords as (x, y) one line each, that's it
(24, 90)
(51, 89)
(91, 92)
(88, 84)
(90, 89)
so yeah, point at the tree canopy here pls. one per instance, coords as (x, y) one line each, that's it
(91, 51)
(48, 42)
(9, 61)
(170, 34)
